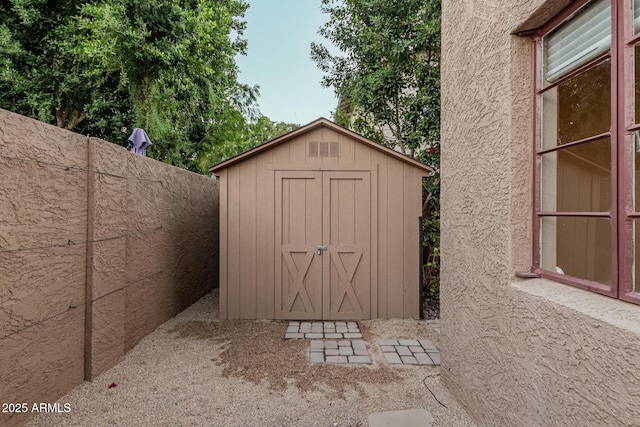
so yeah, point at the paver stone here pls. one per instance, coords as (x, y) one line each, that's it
(409, 360)
(346, 351)
(392, 358)
(360, 359)
(403, 351)
(316, 357)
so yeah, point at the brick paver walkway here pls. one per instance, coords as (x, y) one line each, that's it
(339, 351)
(323, 330)
(340, 342)
(409, 352)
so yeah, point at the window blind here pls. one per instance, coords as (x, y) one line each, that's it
(585, 36)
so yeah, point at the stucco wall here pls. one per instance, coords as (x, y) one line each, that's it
(517, 353)
(514, 352)
(98, 247)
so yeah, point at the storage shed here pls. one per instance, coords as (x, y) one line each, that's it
(320, 223)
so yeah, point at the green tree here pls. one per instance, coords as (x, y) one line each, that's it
(255, 133)
(102, 67)
(388, 80)
(388, 76)
(40, 75)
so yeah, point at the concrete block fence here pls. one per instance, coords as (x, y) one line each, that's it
(98, 247)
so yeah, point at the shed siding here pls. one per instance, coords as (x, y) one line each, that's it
(248, 238)
(265, 237)
(395, 246)
(247, 216)
(223, 245)
(383, 240)
(233, 224)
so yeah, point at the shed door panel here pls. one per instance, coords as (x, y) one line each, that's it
(298, 233)
(346, 264)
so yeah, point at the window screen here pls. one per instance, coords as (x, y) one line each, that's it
(582, 38)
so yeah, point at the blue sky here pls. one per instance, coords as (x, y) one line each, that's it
(278, 60)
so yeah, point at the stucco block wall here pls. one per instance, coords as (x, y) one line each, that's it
(514, 352)
(98, 247)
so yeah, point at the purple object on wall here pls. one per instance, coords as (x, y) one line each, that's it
(139, 141)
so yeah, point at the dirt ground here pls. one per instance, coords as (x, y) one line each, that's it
(195, 370)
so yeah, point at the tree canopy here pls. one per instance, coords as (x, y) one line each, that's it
(387, 78)
(388, 75)
(254, 133)
(103, 67)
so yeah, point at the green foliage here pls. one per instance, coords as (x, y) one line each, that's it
(388, 81)
(253, 134)
(40, 76)
(431, 236)
(389, 77)
(102, 67)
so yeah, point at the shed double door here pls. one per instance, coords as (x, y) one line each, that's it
(323, 245)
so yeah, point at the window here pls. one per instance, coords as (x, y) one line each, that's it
(587, 163)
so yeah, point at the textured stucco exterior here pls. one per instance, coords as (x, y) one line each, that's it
(98, 247)
(514, 352)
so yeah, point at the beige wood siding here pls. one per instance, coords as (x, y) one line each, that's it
(298, 231)
(347, 233)
(255, 279)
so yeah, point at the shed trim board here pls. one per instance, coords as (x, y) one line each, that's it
(223, 238)
(329, 237)
(334, 168)
(306, 128)
(374, 244)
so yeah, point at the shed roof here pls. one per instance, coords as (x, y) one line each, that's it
(308, 127)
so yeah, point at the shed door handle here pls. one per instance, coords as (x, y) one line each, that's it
(320, 249)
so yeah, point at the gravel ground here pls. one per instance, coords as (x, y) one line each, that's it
(197, 371)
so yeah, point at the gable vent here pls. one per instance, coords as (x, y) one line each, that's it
(313, 149)
(323, 149)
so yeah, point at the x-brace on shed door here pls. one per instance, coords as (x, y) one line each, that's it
(323, 245)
